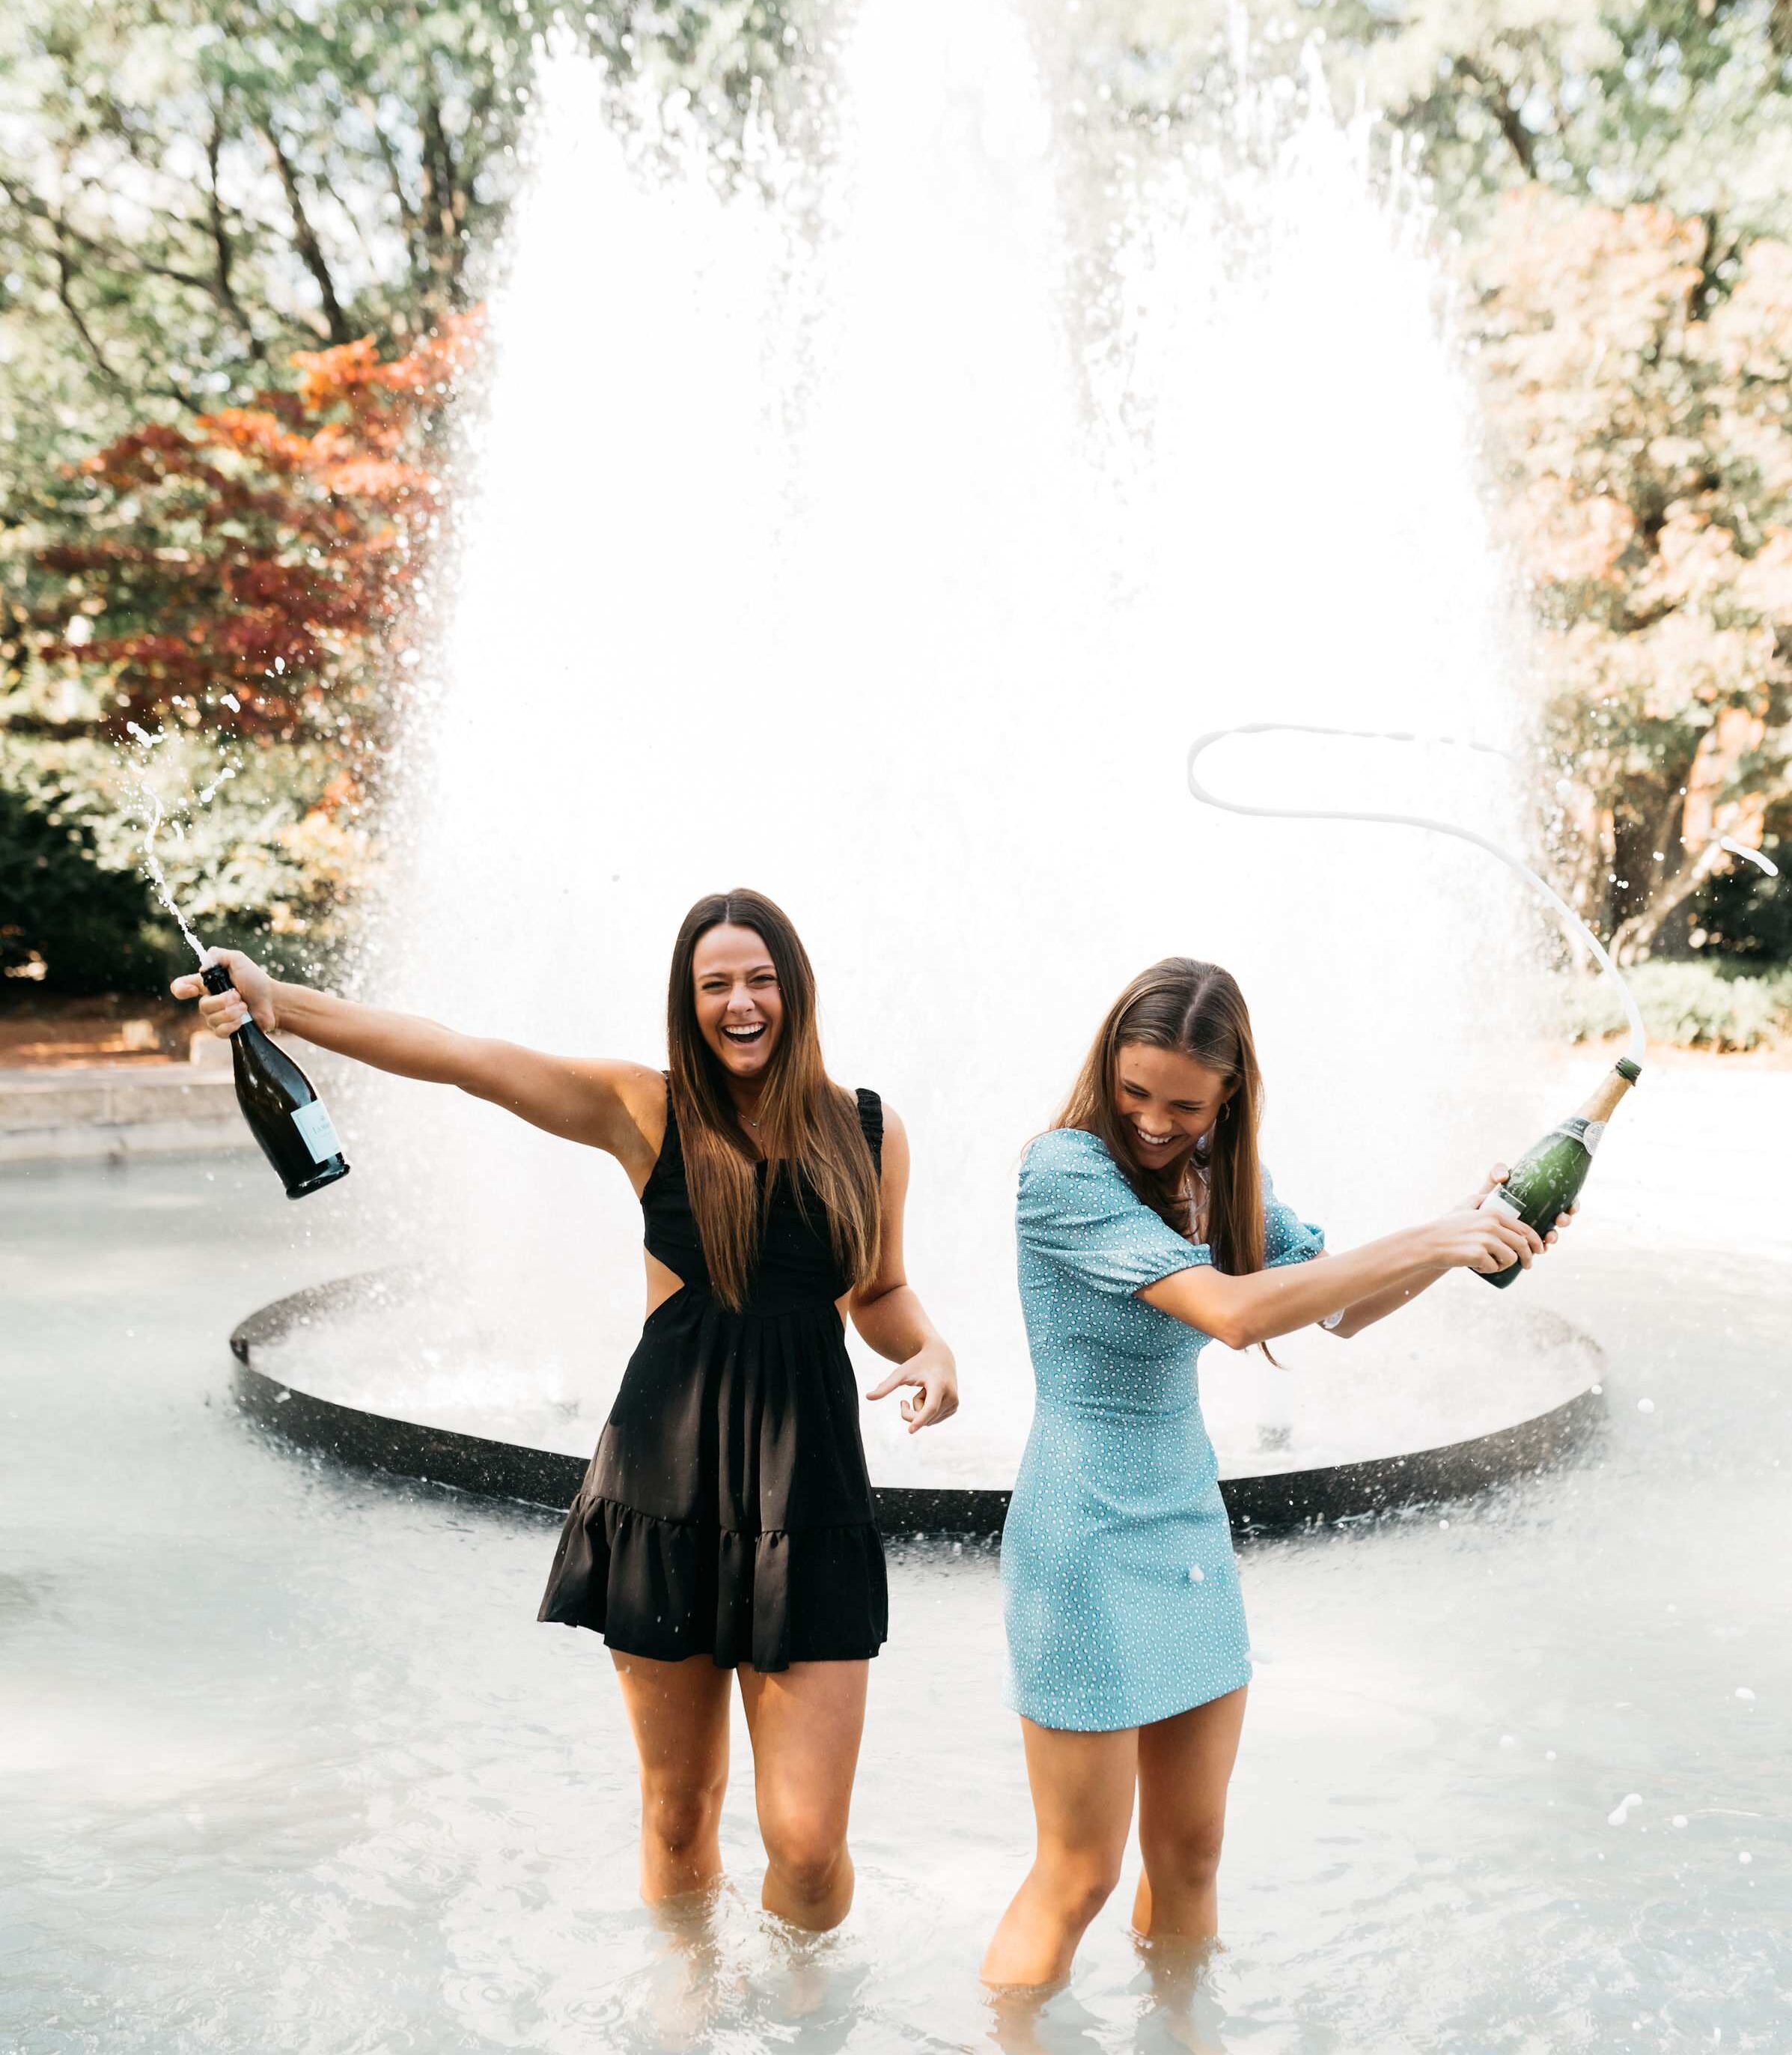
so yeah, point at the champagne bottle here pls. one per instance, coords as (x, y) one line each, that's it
(1546, 1180)
(281, 1107)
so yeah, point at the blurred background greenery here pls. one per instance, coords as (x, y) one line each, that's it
(242, 250)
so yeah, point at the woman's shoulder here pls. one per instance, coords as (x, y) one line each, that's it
(1065, 1155)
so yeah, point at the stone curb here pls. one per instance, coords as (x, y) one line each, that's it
(83, 1112)
(115, 1110)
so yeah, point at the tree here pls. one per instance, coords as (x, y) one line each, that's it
(1687, 103)
(192, 190)
(67, 922)
(234, 606)
(238, 241)
(251, 573)
(1643, 429)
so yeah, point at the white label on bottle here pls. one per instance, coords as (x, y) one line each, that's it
(1578, 1128)
(1503, 1199)
(313, 1122)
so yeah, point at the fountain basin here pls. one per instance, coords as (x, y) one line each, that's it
(383, 1371)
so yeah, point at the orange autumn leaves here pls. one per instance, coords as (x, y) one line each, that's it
(250, 573)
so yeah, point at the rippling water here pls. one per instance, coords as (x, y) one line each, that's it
(286, 1763)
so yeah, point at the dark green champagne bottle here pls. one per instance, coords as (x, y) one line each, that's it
(1546, 1180)
(281, 1107)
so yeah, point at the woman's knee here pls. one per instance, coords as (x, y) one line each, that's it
(806, 1849)
(1081, 1881)
(1188, 1856)
(681, 1813)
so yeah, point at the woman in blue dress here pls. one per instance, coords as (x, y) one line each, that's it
(1147, 1228)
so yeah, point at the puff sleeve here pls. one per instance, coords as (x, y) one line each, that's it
(1078, 1212)
(1286, 1237)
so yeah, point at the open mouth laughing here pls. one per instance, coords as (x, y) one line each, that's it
(1153, 1144)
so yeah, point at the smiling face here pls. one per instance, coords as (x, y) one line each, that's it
(1164, 1102)
(740, 1008)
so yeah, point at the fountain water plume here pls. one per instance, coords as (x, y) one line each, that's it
(846, 578)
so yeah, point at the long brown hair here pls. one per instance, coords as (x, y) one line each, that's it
(809, 1127)
(1197, 1010)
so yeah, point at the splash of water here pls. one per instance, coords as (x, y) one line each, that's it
(155, 819)
(866, 587)
(1639, 1038)
(159, 878)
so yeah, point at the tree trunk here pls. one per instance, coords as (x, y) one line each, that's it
(305, 239)
(1706, 815)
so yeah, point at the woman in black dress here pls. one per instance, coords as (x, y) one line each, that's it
(725, 1523)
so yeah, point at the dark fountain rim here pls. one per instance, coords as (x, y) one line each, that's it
(1270, 1502)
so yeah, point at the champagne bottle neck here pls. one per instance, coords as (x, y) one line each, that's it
(1604, 1101)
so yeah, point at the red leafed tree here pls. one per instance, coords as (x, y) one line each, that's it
(252, 573)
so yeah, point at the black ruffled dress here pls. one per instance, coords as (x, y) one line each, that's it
(727, 1511)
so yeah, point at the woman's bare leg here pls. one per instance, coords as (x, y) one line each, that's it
(1082, 1805)
(805, 1723)
(679, 1712)
(1185, 1764)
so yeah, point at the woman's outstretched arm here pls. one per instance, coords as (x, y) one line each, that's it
(614, 1107)
(1241, 1311)
(888, 1312)
(1364, 1312)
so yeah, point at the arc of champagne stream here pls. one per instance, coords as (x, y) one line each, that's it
(1639, 1038)
(159, 878)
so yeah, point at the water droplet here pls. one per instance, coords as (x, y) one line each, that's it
(1645, 1405)
(1743, 1691)
(1620, 1812)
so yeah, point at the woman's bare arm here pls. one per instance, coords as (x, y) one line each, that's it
(1364, 1312)
(1241, 1311)
(615, 1106)
(888, 1312)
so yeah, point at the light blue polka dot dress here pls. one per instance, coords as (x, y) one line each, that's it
(1121, 1589)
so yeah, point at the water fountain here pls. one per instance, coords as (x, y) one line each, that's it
(810, 553)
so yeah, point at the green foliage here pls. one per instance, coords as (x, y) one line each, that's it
(1685, 104)
(67, 923)
(227, 227)
(1687, 1005)
(192, 190)
(1645, 454)
(263, 863)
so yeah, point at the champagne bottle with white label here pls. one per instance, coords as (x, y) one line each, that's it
(281, 1107)
(1546, 1180)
